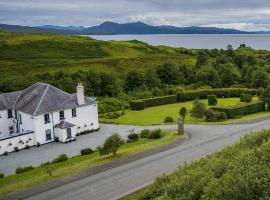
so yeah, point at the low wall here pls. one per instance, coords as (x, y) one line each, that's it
(17, 142)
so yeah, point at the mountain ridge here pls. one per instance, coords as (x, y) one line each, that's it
(113, 28)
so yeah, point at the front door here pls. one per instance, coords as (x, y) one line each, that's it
(68, 133)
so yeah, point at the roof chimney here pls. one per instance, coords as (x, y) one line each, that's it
(80, 94)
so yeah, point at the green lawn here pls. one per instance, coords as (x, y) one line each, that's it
(19, 182)
(156, 115)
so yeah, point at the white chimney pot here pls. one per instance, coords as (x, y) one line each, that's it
(80, 94)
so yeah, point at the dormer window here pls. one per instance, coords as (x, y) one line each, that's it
(10, 114)
(61, 115)
(74, 113)
(47, 118)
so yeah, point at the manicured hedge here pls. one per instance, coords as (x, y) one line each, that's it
(221, 92)
(137, 105)
(235, 111)
(156, 101)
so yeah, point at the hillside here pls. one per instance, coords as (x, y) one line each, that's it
(126, 69)
(33, 54)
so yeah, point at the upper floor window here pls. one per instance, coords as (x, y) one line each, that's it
(11, 129)
(74, 113)
(16, 114)
(47, 118)
(20, 118)
(10, 115)
(62, 115)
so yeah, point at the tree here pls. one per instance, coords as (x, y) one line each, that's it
(151, 78)
(134, 80)
(48, 168)
(109, 85)
(202, 58)
(170, 74)
(229, 74)
(229, 49)
(198, 109)
(183, 112)
(111, 145)
(209, 76)
(260, 78)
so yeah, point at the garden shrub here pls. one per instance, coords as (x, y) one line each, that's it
(106, 105)
(212, 100)
(27, 147)
(215, 116)
(133, 136)
(246, 98)
(86, 151)
(220, 93)
(155, 134)
(168, 119)
(198, 109)
(60, 158)
(145, 133)
(114, 115)
(23, 169)
(235, 111)
(2, 175)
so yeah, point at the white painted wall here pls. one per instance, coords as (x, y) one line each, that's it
(5, 123)
(15, 142)
(86, 119)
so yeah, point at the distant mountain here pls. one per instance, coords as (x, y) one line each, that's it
(67, 28)
(29, 29)
(142, 28)
(128, 28)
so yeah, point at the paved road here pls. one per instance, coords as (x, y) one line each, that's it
(119, 181)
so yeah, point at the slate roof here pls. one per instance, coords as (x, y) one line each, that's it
(39, 99)
(64, 125)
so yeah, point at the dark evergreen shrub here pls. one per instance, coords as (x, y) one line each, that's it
(145, 133)
(246, 98)
(86, 151)
(212, 100)
(155, 134)
(27, 147)
(16, 149)
(215, 116)
(2, 175)
(168, 119)
(133, 136)
(23, 169)
(5, 153)
(60, 158)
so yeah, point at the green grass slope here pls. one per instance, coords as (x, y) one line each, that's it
(34, 53)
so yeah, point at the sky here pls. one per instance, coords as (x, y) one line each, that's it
(249, 15)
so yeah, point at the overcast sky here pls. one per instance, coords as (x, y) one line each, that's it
(240, 14)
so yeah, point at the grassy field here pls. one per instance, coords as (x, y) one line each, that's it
(19, 182)
(156, 115)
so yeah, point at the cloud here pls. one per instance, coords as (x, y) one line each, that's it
(240, 14)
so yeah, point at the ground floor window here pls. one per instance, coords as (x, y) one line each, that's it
(11, 129)
(69, 133)
(48, 134)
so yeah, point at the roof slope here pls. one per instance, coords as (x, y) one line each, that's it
(42, 98)
(7, 100)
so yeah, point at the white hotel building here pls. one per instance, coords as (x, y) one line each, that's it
(41, 114)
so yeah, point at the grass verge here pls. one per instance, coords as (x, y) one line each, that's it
(19, 182)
